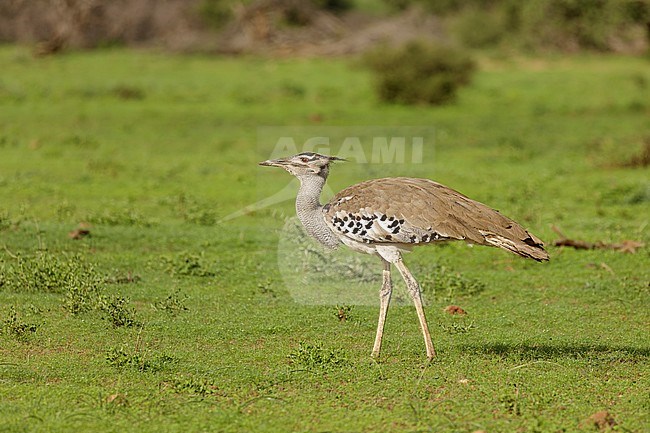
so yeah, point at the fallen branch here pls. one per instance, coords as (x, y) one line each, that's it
(626, 246)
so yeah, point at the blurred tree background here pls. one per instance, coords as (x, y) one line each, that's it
(327, 26)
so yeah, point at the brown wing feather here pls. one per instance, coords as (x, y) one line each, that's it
(412, 211)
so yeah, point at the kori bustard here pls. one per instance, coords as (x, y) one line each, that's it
(388, 216)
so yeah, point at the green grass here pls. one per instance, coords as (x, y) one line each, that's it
(185, 323)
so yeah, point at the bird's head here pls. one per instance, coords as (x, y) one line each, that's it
(304, 164)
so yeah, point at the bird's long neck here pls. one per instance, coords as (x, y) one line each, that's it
(310, 211)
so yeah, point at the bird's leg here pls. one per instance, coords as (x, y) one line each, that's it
(384, 299)
(414, 291)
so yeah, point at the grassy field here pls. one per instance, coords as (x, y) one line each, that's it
(168, 318)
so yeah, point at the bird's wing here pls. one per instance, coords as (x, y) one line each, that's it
(413, 211)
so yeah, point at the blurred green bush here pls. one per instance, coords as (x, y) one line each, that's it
(419, 72)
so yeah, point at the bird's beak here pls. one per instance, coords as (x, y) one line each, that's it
(336, 158)
(272, 162)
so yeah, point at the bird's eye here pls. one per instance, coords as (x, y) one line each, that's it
(303, 159)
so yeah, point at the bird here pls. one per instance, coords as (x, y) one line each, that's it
(387, 217)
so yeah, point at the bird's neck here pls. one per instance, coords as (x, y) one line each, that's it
(310, 212)
(309, 194)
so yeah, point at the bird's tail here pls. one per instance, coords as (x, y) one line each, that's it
(531, 247)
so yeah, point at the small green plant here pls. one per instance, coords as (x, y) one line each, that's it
(120, 358)
(81, 298)
(200, 215)
(114, 403)
(419, 72)
(7, 222)
(187, 264)
(121, 216)
(344, 312)
(128, 278)
(80, 141)
(293, 90)
(315, 357)
(116, 311)
(89, 295)
(80, 283)
(173, 304)
(14, 327)
(266, 288)
(47, 272)
(457, 326)
(127, 92)
(201, 386)
(191, 210)
(510, 402)
(444, 283)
